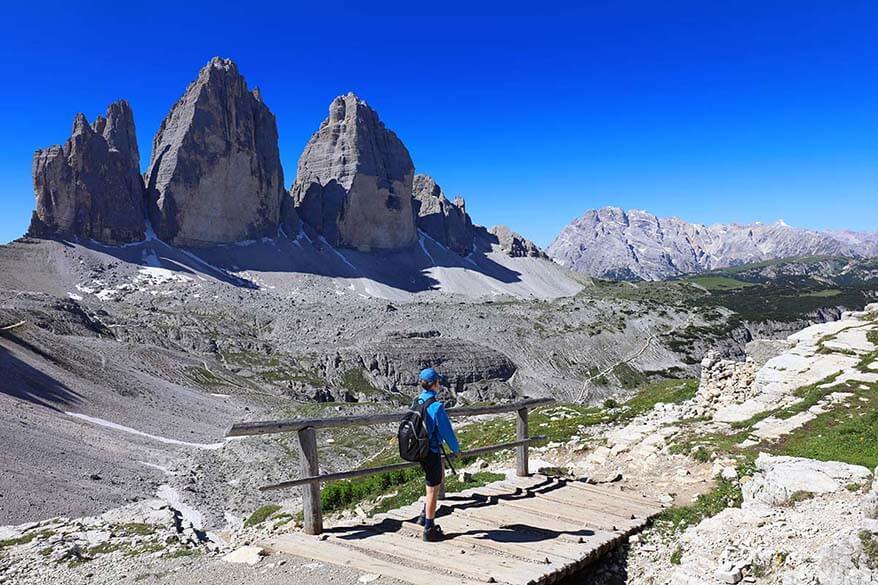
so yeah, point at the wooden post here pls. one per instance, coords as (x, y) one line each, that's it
(521, 451)
(311, 491)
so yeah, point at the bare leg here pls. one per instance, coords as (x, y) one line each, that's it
(430, 501)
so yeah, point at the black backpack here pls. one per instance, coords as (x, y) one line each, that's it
(413, 437)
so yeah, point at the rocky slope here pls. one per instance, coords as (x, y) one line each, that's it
(91, 186)
(445, 221)
(354, 181)
(636, 245)
(215, 174)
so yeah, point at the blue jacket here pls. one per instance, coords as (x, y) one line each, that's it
(438, 425)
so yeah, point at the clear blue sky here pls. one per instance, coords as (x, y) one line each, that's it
(711, 111)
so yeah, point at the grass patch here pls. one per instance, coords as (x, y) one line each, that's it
(26, 538)
(184, 552)
(719, 282)
(138, 529)
(410, 491)
(799, 496)
(345, 493)
(847, 433)
(204, 377)
(829, 292)
(725, 495)
(355, 381)
(870, 548)
(261, 515)
(677, 556)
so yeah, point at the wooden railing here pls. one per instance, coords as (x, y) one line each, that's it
(306, 430)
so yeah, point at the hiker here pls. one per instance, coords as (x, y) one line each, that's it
(438, 430)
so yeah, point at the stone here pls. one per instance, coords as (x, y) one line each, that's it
(354, 181)
(464, 476)
(729, 573)
(215, 174)
(729, 473)
(513, 243)
(445, 221)
(90, 187)
(246, 555)
(778, 478)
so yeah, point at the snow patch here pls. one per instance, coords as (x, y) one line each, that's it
(117, 427)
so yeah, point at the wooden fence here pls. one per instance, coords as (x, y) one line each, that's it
(306, 430)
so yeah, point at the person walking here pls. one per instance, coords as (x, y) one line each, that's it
(439, 430)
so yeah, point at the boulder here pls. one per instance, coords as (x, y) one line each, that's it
(354, 181)
(215, 174)
(91, 186)
(445, 221)
(778, 478)
(246, 555)
(514, 244)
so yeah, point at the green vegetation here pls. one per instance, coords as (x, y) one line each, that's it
(870, 548)
(628, 377)
(355, 382)
(677, 556)
(829, 292)
(798, 496)
(718, 282)
(410, 491)
(847, 433)
(408, 485)
(204, 377)
(138, 529)
(262, 514)
(558, 423)
(185, 552)
(26, 538)
(724, 495)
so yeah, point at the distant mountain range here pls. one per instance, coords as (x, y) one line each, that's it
(636, 245)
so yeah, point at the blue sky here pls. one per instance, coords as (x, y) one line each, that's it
(534, 112)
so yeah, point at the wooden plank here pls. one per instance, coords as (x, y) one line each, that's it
(309, 547)
(618, 494)
(592, 501)
(505, 515)
(463, 529)
(521, 469)
(296, 424)
(310, 493)
(316, 478)
(465, 561)
(571, 513)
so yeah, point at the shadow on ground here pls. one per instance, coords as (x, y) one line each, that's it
(406, 270)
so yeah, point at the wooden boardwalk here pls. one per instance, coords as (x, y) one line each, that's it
(520, 531)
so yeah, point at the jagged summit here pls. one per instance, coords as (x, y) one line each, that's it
(445, 221)
(354, 181)
(637, 245)
(91, 186)
(215, 174)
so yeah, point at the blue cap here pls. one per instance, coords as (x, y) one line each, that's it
(429, 375)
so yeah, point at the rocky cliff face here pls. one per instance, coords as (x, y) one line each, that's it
(637, 245)
(354, 181)
(445, 221)
(513, 243)
(91, 187)
(215, 174)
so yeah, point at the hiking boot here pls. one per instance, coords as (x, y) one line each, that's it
(422, 519)
(433, 534)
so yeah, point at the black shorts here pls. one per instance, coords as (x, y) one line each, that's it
(433, 470)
